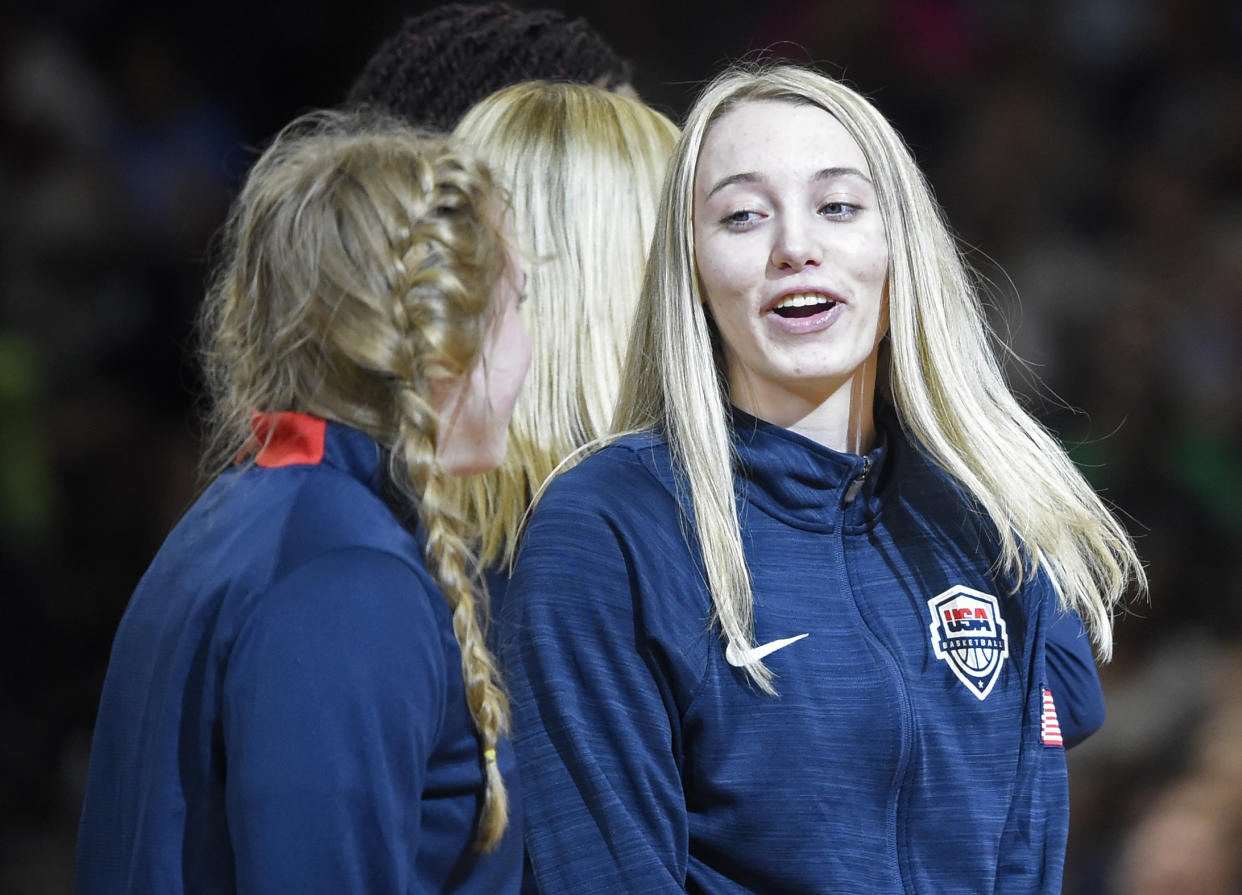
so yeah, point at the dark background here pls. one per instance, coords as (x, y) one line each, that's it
(1089, 155)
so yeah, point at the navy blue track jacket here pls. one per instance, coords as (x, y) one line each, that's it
(914, 748)
(284, 709)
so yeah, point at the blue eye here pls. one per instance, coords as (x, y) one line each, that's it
(838, 209)
(739, 220)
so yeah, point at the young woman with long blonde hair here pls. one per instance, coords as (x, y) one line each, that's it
(300, 697)
(583, 167)
(812, 625)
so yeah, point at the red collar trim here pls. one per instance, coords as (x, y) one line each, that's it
(286, 439)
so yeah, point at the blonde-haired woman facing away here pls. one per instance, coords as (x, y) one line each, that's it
(813, 625)
(583, 167)
(300, 698)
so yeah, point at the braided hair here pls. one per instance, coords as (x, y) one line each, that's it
(442, 62)
(359, 264)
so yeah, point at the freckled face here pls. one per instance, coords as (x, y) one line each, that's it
(791, 254)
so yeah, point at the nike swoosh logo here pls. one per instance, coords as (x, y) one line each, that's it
(740, 658)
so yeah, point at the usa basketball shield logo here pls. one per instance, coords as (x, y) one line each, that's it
(967, 631)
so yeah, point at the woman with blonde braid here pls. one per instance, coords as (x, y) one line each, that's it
(810, 623)
(300, 697)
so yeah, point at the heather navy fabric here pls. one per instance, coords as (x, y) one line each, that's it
(1073, 679)
(650, 764)
(284, 709)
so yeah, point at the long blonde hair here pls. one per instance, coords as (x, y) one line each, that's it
(358, 267)
(583, 167)
(946, 384)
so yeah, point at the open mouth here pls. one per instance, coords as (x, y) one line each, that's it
(804, 305)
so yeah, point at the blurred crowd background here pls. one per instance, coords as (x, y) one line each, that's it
(1088, 154)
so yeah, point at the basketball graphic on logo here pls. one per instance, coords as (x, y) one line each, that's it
(976, 659)
(969, 634)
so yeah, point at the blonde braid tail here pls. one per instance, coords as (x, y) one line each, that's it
(452, 565)
(450, 559)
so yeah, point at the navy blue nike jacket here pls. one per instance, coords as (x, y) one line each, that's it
(284, 709)
(915, 746)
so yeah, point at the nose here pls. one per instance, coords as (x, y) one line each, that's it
(795, 246)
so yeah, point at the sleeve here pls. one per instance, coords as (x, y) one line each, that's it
(333, 696)
(602, 790)
(1073, 679)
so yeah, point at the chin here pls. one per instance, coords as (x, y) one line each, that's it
(475, 463)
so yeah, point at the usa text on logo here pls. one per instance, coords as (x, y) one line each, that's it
(967, 631)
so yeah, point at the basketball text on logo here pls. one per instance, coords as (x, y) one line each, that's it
(968, 633)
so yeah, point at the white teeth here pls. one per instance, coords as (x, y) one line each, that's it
(803, 300)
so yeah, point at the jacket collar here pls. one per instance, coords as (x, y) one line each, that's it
(289, 438)
(807, 485)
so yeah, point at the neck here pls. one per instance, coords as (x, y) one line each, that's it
(842, 419)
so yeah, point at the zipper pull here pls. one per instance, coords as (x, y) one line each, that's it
(856, 485)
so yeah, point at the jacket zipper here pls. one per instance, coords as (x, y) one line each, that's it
(905, 756)
(855, 486)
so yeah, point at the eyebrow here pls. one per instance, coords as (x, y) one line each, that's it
(754, 177)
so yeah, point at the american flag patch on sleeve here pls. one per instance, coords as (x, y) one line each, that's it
(1049, 726)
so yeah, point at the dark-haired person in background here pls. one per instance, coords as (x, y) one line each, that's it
(443, 61)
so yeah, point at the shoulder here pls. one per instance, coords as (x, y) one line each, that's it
(285, 518)
(613, 514)
(346, 621)
(633, 474)
(356, 591)
(331, 508)
(255, 530)
(639, 456)
(607, 553)
(628, 482)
